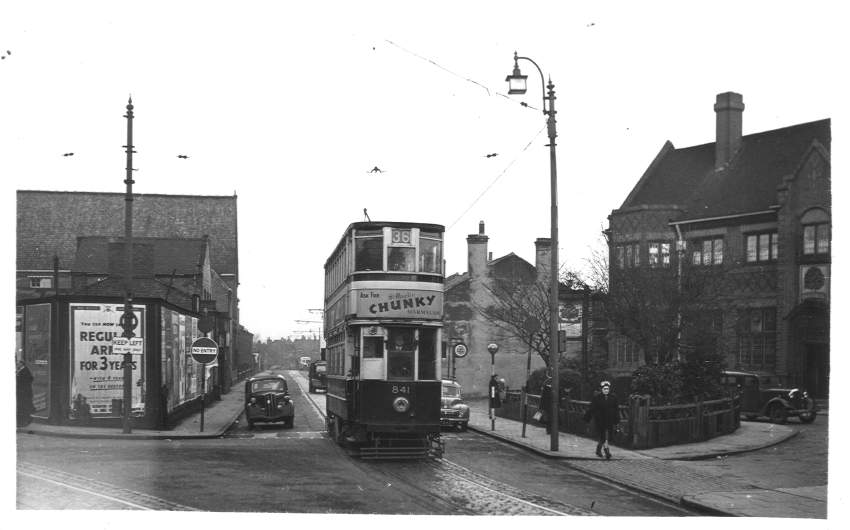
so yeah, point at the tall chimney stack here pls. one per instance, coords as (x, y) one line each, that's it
(729, 108)
(477, 253)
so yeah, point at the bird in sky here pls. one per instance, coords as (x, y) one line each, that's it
(523, 103)
(7, 53)
(491, 155)
(376, 169)
(68, 154)
(182, 156)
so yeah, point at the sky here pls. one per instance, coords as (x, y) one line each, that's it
(290, 106)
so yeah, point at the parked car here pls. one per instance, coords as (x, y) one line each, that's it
(317, 376)
(776, 403)
(453, 412)
(267, 400)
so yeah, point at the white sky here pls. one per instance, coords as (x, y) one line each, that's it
(290, 105)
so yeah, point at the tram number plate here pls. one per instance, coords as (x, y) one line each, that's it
(401, 389)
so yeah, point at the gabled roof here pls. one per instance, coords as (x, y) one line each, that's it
(687, 178)
(48, 223)
(164, 255)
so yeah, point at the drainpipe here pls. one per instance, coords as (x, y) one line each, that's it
(680, 250)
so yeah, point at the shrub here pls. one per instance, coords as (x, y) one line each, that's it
(694, 379)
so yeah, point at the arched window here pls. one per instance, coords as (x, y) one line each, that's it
(816, 236)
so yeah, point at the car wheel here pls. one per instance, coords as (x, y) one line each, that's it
(778, 414)
(462, 426)
(808, 417)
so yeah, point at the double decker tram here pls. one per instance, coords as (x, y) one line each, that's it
(383, 330)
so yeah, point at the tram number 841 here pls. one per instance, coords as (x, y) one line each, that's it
(401, 389)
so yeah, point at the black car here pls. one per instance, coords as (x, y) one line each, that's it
(775, 403)
(267, 400)
(317, 376)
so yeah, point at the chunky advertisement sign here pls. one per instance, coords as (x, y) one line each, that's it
(97, 372)
(395, 303)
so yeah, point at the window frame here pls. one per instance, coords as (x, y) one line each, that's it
(772, 247)
(761, 342)
(627, 255)
(816, 250)
(712, 253)
(663, 260)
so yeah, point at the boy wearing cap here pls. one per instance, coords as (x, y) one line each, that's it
(605, 412)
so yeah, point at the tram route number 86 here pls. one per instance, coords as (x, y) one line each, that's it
(401, 389)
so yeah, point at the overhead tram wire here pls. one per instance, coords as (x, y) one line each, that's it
(459, 76)
(507, 167)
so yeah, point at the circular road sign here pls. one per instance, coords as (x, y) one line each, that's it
(204, 350)
(461, 350)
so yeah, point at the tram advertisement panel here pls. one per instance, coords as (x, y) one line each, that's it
(399, 303)
(97, 374)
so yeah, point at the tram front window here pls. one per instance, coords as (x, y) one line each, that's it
(400, 355)
(429, 254)
(401, 259)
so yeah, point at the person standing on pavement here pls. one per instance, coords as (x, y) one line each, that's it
(605, 413)
(546, 404)
(23, 382)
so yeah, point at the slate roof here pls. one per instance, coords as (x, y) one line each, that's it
(686, 177)
(166, 255)
(48, 223)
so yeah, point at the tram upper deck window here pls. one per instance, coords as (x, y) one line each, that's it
(369, 250)
(430, 255)
(401, 259)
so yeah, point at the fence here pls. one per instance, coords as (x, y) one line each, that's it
(642, 426)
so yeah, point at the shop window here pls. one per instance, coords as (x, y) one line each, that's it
(41, 282)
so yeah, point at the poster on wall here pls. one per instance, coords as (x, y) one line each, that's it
(97, 374)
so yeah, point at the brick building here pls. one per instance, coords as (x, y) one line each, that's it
(70, 284)
(755, 210)
(467, 296)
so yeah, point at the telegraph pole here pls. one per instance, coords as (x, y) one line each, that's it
(128, 319)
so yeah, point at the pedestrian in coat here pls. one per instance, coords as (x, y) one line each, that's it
(23, 382)
(605, 413)
(546, 404)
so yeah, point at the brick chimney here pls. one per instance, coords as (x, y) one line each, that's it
(477, 253)
(543, 258)
(729, 108)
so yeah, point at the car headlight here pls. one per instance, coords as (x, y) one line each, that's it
(253, 400)
(401, 404)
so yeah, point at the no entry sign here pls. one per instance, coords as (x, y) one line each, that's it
(204, 350)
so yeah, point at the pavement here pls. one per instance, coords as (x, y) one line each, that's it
(661, 472)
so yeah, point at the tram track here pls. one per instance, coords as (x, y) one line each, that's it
(100, 492)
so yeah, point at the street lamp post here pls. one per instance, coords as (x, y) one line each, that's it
(517, 85)
(127, 320)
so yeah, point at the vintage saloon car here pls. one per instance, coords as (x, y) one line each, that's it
(267, 400)
(317, 376)
(453, 412)
(775, 403)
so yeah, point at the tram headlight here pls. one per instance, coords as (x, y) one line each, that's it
(401, 404)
